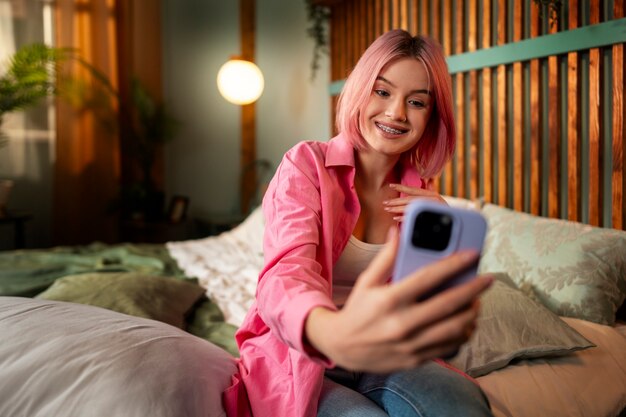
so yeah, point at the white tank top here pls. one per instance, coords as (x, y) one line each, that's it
(353, 260)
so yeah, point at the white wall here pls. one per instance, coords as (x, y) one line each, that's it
(293, 107)
(199, 36)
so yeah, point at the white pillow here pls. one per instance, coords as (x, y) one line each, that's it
(464, 202)
(64, 359)
(227, 265)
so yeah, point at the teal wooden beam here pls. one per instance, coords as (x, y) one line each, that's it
(584, 38)
(335, 87)
(594, 36)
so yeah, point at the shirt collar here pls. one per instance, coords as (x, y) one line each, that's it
(340, 152)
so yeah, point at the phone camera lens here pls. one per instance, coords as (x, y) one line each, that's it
(432, 230)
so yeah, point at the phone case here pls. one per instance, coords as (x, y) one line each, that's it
(467, 232)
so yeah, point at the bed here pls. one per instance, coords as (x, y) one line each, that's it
(139, 330)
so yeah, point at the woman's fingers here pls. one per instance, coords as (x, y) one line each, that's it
(430, 277)
(455, 329)
(397, 206)
(441, 339)
(450, 301)
(413, 192)
(449, 305)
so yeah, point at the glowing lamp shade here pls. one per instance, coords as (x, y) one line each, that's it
(240, 82)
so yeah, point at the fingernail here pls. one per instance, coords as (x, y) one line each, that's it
(392, 185)
(386, 202)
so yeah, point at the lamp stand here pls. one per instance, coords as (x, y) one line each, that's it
(248, 178)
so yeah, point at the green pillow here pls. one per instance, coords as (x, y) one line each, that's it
(512, 326)
(154, 297)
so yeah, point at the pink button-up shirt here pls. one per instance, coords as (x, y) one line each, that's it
(310, 208)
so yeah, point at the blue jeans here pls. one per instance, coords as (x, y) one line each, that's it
(430, 390)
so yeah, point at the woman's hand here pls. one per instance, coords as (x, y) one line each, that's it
(396, 206)
(382, 328)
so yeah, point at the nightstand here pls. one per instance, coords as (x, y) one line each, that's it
(17, 219)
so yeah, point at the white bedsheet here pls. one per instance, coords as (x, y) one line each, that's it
(226, 265)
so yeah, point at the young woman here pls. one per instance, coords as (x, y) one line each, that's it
(328, 335)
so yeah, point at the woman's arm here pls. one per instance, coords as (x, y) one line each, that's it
(292, 281)
(382, 328)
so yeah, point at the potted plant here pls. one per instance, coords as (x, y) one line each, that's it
(150, 125)
(30, 77)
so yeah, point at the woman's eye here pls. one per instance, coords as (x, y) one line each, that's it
(417, 103)
(382, 93)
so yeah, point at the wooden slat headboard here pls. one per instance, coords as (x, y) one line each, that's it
(539, 97)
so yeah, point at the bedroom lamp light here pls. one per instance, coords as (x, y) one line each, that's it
(240, 82)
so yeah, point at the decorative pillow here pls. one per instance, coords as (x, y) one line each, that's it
(512, 326)
(70, 359)
(576, 270)
(154, 297)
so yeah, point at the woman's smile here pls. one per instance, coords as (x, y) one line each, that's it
(390, 130)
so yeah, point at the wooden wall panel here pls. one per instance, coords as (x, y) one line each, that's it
(595, 172)
(618, 177)
(516, 182)
(546, 135)
(573, 123)
(458, 88)
(501, 178)
(472, 105)
(487, 109)
(535, 122)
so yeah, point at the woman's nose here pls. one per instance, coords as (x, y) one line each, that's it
(396, 110)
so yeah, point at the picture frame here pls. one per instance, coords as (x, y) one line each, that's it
(178, 209)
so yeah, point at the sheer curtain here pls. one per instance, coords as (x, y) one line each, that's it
(122, 39)
(87, 168)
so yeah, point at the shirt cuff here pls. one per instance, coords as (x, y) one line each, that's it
(296, 323)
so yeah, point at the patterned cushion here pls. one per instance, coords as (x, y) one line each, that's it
(576, 270)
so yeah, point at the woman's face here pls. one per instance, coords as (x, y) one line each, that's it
(398, 109)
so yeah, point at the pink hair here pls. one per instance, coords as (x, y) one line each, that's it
(438, 141)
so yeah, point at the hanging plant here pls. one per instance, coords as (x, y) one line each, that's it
(553, 8)
(318, 17)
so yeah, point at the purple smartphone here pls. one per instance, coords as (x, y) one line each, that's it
(431, 231)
